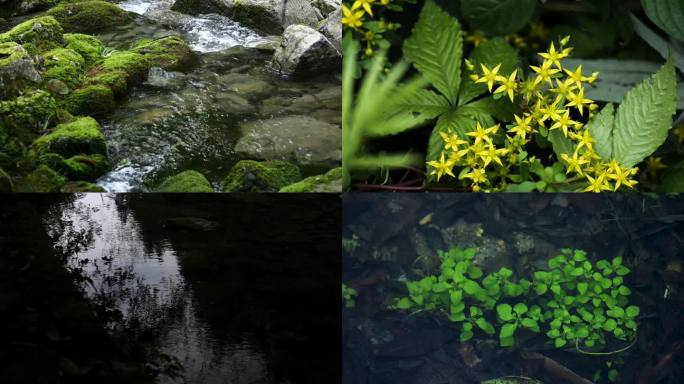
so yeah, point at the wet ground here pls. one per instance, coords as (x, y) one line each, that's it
(394, 238)
(209, 290)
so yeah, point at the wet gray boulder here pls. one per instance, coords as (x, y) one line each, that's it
(300, 139)
(262, 15)
(265, 16)
(332, 28)
(305, 52)
(327, 6)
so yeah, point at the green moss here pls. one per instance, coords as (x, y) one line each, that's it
(115, 80)
(328, 182)
(86, 167)
(65, 65)
(80, 186)
(79, 167)
(25, 116)
(36, 35)
(11, 52)
(170, 53)
(82, 136)
(255, 176)
(42, 179)
(5, 182)
(188, 181)
(90, 100)
(89, 16)
(133, 64)
(87, 46)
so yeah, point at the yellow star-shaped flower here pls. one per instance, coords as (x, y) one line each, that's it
(522, 126)
(597, 184)
(441, 167)
(508, 85)
(489, 75)
(545, 72)
(477, 175)
(365, 4)
(564, 122)
(553, 56)
(583, 140)
(575, 163)
(577, 100)
(351, 18)
(451, 141)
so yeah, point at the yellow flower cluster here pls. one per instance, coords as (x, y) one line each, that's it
(358, 14)
(551, 98)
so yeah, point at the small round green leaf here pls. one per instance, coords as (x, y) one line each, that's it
(504, 312)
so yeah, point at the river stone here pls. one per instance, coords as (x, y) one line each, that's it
(332, 28)
(16, 64)
(327, 6)
(159, 78)
(328, 182)
(28, 6)
(263, 15)
(230, 103)
(301, 12)
(245, 85)
(305, 52)
(301, 139)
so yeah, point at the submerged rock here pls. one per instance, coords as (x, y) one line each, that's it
(187, 181)
(157, 77)
(82, 136)
(305, 52)
(255, 176)
(301, 139)
(42, 179)
(89, 16)
(328, 182)
(36, 35)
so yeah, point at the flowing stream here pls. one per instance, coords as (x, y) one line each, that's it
(143, 280)
(179, 121)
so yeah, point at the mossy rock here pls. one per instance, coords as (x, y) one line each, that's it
(65, 65)
(260, 176)
(89, 47)
(133, 64)
(5, 182)
(89, 16)
(170, 53)
(10, 53)
(80, 186)
(82, 136)
(79, 167)
(116, 80)
(328, 182)
(25, 116)
(188, 181)
(24, 7)
(36, 35)
(90, 100)
(42, 179)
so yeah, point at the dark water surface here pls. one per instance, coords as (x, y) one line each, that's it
(239, 289)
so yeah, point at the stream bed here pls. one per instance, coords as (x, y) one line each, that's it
(396, 239)
(204, 295)
(180, 121)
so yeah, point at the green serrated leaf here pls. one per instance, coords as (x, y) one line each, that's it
(658, 43)
(424, 102)
(436, 48)
(641, 123)
(498, 17)
(666, 14)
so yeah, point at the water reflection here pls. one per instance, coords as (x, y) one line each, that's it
(181, 280)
